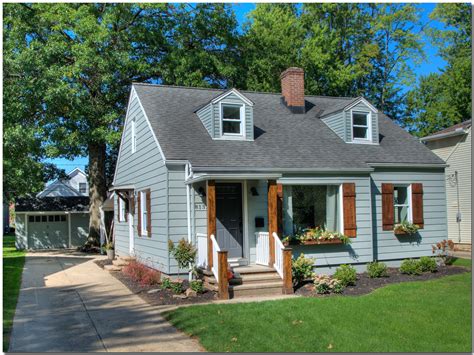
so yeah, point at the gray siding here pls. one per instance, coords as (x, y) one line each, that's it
(387, 246)
(206, 117)
(145, 169)
(337, 123)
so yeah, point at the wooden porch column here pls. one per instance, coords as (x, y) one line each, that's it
(287, 272)
(223, 281)
(272, 218)
(211, 218)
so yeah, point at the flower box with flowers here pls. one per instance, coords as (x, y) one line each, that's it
(316, 236)
(405, 228)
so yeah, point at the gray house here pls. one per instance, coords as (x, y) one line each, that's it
(235, 172)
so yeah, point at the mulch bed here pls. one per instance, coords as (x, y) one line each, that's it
(160, 297)
(365, 284)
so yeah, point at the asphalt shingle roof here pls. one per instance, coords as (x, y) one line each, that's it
(282, 139)
(50, 204)
(463, 125)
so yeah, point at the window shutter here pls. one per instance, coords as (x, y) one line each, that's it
(148, 213)
(280, 209)
(417, 204)
(349, 207)
(387, 207)
(139, 205)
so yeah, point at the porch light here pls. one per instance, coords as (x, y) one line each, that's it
(201, 191)
(254, 191)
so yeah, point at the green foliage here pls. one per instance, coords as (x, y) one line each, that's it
(184, 253)
(166, 283)
(325, 284)
(410, 267)
(177, 287)
(406, 227)
(316, 234)
(109, 246)
(197, 285)
(377, 269)
(346, 274)
(302, 269)
(427, 264)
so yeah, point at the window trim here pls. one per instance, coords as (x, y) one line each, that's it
(369, 126)
(242, 134)
(121, 207)
(85, 187)
(143, 213)
(409, 204)
(134, 136)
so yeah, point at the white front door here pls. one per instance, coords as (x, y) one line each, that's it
(131, 235)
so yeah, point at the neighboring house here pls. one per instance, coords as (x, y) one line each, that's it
(75, 184)
(237, 171)
(6, 217)
(453, 145)
(58, 217)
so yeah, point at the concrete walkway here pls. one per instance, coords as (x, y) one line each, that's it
(67, 303)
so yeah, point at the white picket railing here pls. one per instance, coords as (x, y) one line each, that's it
(263, 248)
(215, 257)
(202, 250)
(278, 254)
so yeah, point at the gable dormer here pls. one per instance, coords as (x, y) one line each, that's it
(229, 116)
(357, 122)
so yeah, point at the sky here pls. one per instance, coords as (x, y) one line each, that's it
(432, 63)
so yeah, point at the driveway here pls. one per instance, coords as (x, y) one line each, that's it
(68, 303)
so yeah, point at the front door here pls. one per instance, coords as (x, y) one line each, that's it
(229, 218)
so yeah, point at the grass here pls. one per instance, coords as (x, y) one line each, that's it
(13, 261)
(427, 316)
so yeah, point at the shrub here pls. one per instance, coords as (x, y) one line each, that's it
(135, 270)
(166, 283)
(377, 269)
(177, 287)
(427, 264)
(150, 277)
(197, 286)
(302, 269)
(410, 267)
(346, 274)
(441, 251)
(184, 253)
(324, 284)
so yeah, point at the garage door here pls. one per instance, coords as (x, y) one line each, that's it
(48, 232)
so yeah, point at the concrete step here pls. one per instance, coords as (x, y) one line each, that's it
(252, 269)
(112, 268)
(120, 262)
(126, 258)
(260, 289)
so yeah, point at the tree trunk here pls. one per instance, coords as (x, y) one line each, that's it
(97, 189)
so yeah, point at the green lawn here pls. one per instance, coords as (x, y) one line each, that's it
(420, 316)
(13, 261)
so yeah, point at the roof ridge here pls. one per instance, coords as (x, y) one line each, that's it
(243, 91)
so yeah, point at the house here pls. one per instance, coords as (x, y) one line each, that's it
(236, 171)
(6, 217)
(58, 217)
(453, 145)
(75, 184)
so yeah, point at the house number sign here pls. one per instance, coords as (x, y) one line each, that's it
(200, 207)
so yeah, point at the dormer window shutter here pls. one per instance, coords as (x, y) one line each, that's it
(417, 204)
(387, 207)
(139, 204)
(349, 208)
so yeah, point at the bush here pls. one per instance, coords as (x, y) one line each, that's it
(346, 274)
(166, 283)
(427, 264)
(184, 253)
(410, 267)
(177, 287)
(142, 274)
(302, 269)
(324, 284)
(376, 269)
(197, 286)
(150, 277)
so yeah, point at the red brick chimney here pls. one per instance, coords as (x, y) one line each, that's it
(292, 89)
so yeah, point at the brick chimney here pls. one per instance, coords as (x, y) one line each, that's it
(292, 89)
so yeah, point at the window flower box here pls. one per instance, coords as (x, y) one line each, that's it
(316, 236)
(405, 228)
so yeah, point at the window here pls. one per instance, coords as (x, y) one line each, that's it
(82, 187)
(134, 137)
(31, 218)
(144, 213)
(57, 218)
(401, 204)
(37, 218)
(232, 119)
(50, 218)
(63, 218)
(310, 206)
(121, 209)
(360, 126)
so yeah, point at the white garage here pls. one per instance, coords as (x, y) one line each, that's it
(51, 222)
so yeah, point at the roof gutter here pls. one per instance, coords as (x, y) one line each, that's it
(282, 170)
(407, 165)
(457, 132)
(250, 176)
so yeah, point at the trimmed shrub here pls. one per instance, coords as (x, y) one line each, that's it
(197, 286)
(410, 267)
(302, 269)
(376, 269)
(166, 283)
(346, 274)
(324, 284)
(427, 264)
(177, 287)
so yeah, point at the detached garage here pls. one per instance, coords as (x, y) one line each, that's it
(51, 222)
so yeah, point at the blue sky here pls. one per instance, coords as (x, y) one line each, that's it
(432, 63)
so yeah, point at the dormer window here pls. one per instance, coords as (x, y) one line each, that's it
(361, 126)
(232, 119)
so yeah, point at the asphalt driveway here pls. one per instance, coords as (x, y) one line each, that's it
(67, 303)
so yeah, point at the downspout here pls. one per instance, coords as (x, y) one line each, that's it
(188, 208)
(458, 214)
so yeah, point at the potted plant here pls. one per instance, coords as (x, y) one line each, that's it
(405, 228)
(109, 248)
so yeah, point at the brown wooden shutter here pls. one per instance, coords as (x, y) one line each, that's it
(417, 204)
(387, 207)
(349, 208)
(148, 212)
(280, 209)
(139, 205)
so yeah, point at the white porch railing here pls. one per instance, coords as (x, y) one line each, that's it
(215, 257)
(202, 250)
(263, 248)
(278, 255)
